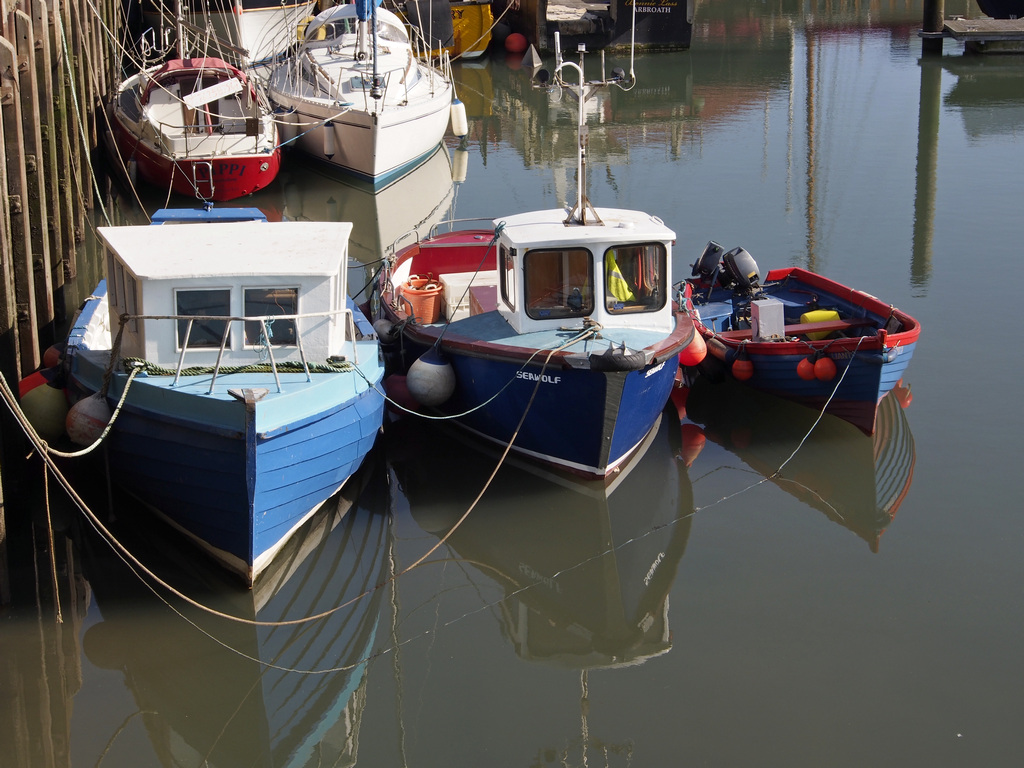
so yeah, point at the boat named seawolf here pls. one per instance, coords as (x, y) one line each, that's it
(556, 331)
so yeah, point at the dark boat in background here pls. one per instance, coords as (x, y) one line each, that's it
(1002, 9)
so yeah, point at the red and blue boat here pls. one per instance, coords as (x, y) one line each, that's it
(556, 332)
(799, 335)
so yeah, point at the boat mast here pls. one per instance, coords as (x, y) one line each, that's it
(583, 213)
(179, 22)
(578, 214)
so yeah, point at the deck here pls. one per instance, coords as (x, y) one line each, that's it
(986, 35)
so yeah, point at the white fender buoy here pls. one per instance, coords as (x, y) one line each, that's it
(87, 419)
(431, 379)
(460, 125)
(329, 139)
(45, 408)
(460, 164)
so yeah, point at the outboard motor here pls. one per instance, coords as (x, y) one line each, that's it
(741, 269)
(707, 265)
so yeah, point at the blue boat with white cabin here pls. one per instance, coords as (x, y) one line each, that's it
(250, 381)
(556, 332)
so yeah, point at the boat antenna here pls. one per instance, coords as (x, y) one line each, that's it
(582, 213)
(578, 214)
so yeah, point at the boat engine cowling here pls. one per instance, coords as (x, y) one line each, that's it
(741, 269)
(706, 266)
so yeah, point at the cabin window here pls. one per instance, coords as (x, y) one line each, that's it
(131, 301)
(507, 275)
(266, 303)
(207, 304)
(634, 277)
(559, 283)
(113, 291)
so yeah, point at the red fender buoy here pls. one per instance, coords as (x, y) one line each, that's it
(678, 397)
(695, 351)
(742, 369)
(516, 43)
(805, 369)
(824, 368)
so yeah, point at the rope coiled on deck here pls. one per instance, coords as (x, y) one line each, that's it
(289, 366)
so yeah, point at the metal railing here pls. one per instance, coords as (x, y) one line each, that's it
(348, 318)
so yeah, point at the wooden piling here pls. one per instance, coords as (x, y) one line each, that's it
(931, 27)
(56, 64)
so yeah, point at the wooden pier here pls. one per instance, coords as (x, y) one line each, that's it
(56, 62)
(986, 35)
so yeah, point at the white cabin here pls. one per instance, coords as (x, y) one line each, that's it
(293, 274)
(616, 272)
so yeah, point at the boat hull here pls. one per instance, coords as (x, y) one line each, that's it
(237, 474)
(209, 164)
(586, 422)
(377, 148)
(209, 177)
(867, 366)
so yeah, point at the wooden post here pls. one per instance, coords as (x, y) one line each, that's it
(36, 210)
(17, 184)
(65, 138)
(48, 135)
(931, 26)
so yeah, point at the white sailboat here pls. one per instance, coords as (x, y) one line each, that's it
(357, 96)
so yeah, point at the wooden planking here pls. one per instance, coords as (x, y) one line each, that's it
(984, 29)
(987, 35)
(17, 186)
(56, 63)
(37, 208)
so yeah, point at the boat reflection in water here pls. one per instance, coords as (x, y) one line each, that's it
(586, 567)
(856, 480)
(417, 200)
(216, 692)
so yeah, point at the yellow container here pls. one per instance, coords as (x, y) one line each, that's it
(818, 316)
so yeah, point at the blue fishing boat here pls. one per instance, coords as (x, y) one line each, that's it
(555, 331)
(243, 380)
(800, 335)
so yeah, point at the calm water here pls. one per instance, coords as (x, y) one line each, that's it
(866, 608)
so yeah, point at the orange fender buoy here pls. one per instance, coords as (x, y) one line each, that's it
(516, 43)
(695, 351)
(824, 368)
(742, 369)
(805, 369)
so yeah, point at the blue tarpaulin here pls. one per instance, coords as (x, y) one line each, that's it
(364, 9)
